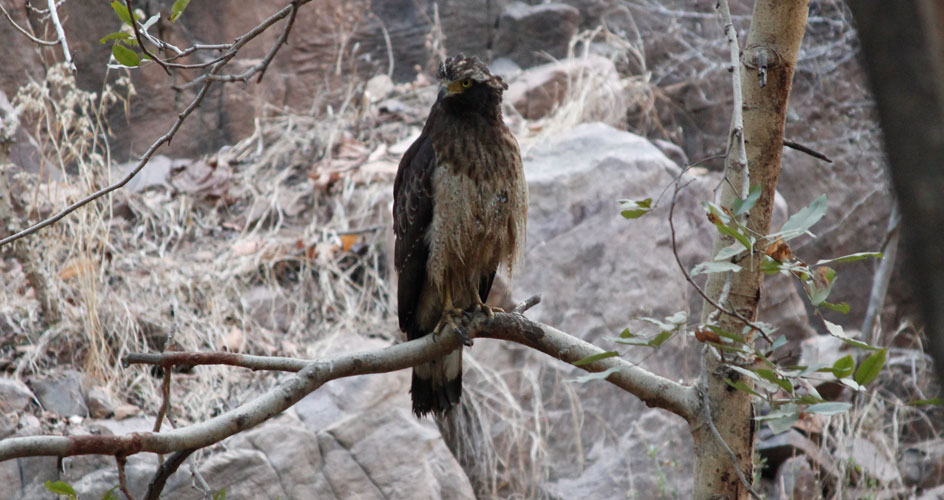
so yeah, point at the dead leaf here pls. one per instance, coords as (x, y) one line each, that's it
(76, 267)
(706, 335)
(347, 241)
(779, 251)
(714, 219)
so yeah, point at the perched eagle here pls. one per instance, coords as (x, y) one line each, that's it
(459, 211)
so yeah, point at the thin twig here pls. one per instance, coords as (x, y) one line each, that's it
(167, 468)
(282, 40)
(61, 33)
(804, 149)
(22, 30)
(137, 36)
(165, 399)
(688, 277)
(121, 460)
(527, 304)
(169, 359)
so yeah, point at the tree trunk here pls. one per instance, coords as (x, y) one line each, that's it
(775, 35)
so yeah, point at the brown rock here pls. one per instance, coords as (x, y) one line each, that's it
(100, 403)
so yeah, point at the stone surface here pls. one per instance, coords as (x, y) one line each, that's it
(61, 393)
(536, 92)
(526, 32)
(795, 479)
(100, 403)
(14, 395)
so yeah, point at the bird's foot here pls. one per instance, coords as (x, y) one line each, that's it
(488, 310)
(453, 318)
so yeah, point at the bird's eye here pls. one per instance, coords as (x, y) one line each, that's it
(466, 83)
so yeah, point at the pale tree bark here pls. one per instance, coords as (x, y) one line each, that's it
(777, 29)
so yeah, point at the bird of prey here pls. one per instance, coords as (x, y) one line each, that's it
(460, 209)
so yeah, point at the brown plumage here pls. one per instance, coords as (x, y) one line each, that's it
(460, 208)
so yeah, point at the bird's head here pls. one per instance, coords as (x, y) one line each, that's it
(466, 82)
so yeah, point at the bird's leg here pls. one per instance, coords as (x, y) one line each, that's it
(488, 310)
(451, 316)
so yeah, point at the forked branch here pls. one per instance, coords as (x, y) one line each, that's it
(654, 390)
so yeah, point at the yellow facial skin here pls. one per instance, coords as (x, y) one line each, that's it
(458, 86)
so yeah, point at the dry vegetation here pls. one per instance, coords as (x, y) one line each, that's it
(277, 246)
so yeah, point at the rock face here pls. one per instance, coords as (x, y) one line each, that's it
(526, 32)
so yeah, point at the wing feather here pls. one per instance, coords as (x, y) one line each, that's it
(412, 215)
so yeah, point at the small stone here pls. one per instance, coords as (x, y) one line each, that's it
(14, 395)
(124, 411)
(62, 393)
(100, 403)
(378, 88)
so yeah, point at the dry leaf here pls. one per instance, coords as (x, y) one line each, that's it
(706, 335)
(779, 251)
(347, 241)
(75, 267)
(712, 218)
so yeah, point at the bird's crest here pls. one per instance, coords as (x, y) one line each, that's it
(461, 67)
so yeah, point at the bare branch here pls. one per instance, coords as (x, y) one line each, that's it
(737, 152)
(121, 460)
(22, 30)
(137, 36)
(167, 468)
(655, 390)
(61, 33)
(172, 358)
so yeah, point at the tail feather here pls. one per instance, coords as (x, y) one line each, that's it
(437, 386)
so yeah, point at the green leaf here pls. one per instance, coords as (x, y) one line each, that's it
(800, 222)
(778, 343)
(661, 324)
(714, 267)
(61, 488)
(125, 56)
(635, 209)
(843, 367)
(819, 292)
(595, 375)
(122, 11)
(741, 386)
(782, 424)
(660, 338)
(829, 408)
(771, 376)
(178, 9)
(729, 251)
(679, 318)
(853, 257)
(220, 495)
(740, 206)
(595, 357)
(922, 402)
(869, 369)
(110, 494)
(626, 334)
(837, 331)
(770, 266)
(118, 35)
(841, 307)
(809, 399)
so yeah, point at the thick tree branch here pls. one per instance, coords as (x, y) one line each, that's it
(654, 390)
